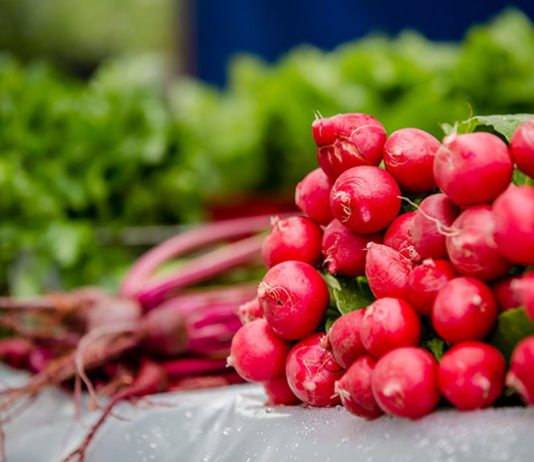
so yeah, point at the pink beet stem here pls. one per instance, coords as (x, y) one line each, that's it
(198, 237)
(185, 367)
(201, 268)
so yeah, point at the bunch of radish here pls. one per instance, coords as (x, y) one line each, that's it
(165, 330)
(443, 240)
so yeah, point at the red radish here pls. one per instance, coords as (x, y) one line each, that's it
(294, 298)
(257, 354)
(250, 311)
(425, 281)
(278, 392)
(522, 146)
(514, 224)
(471, 375)
(405, 382)
(399, 237)
(39, 359)
(348, 140)
(344, 338)
(471, 247)
(507, 293)
(354, 389)
(365, 199)
(312, 196)
(464, 309)
(387, 271)
(431, 225)
(15, 351)
(387, 324)
(294, 238)
(521, 374)
(473, 168)
(312, 371)
(344, 251)
(409, 157)
(526, 293)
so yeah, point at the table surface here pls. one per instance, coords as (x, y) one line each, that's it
(232, 424)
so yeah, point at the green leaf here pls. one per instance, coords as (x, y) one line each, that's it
(503, 124)
(512, 326)
(436, 346)
(349, 294)
(332, 314)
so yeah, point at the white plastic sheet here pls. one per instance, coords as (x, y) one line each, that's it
(232, 424)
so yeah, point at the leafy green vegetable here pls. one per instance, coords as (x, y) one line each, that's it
(503, 124)
(436, 346)
(512, 326)
(349, 294)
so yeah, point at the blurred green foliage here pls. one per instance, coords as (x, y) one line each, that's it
(129, 147)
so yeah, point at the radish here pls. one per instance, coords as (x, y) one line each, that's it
(348, 140)
(405, 382)
(399, 237)
(387, 271)
(365, 199)
(294, 298)
(344, 338)
(312, 371)
(250, 311)
(425, 281)
(354, 389)
(507, 293)
(431, 226)
(513, 212)
(471, 247)
(312, 196)
(471, 375)
(521, 374)
(294, 238)
(464, 309)
(409, 157)
(278, 392)
(522, 147)
(473, 168)
(526, 293)
(387, 324)
(257, 354)
(344, 251)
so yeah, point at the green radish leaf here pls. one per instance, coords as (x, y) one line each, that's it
(512, 327)
(332, 314)
(436, 346)
(504, 125)
(349, 294)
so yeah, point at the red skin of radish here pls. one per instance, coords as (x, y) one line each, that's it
(365, 199)
(522, 147)
(312, 371)
(354, 389)
(344, 251)
(294, 298)
(464, 309)
(507, 294)
(278, 392)
(409, 157)
(473, 168)
(312, 196)
(471, 375)
(472, 249)
(294, 238)
(344, 338)
(387, 271)
(526, 293)
(250, 311)
(257, 354)
(514, 224)
(425, 281)
(428, 240)
(399, 237)
(521, 374)
(405, 383)
(389, 323)
(348, 140)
